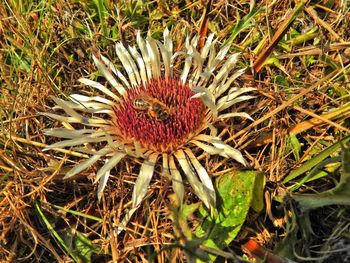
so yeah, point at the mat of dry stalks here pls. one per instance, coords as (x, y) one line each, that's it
(297, 59)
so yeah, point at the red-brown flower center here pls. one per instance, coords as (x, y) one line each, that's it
(160, 115)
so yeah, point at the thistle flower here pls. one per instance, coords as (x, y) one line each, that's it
(160, 106)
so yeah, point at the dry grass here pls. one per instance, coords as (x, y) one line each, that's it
(46, 46)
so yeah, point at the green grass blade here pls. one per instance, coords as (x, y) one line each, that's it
(102, 15)
(245, 23)
(315, 161)
(55, 234)
(78, 214)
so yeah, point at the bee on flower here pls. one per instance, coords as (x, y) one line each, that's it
(156, 109)
(154, 114)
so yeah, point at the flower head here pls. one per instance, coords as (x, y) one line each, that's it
(159, 106)
(161, 115)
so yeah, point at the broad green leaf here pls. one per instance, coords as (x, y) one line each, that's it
(234, 194)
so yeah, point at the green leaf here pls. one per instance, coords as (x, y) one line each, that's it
(83, 246)
(324, 168)
(102, 15)
(100, 220)
(294, 145)
(274, 61)
(183, 215)
(302, 38)
(315, 161)
(235, 192)
(21, 61)
(258, 193)
(245, 23)
(281, 81)
(53, 232)
(339, 195)
(340, 89)
(79, 247)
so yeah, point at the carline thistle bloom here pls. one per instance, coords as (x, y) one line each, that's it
(160, 106)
